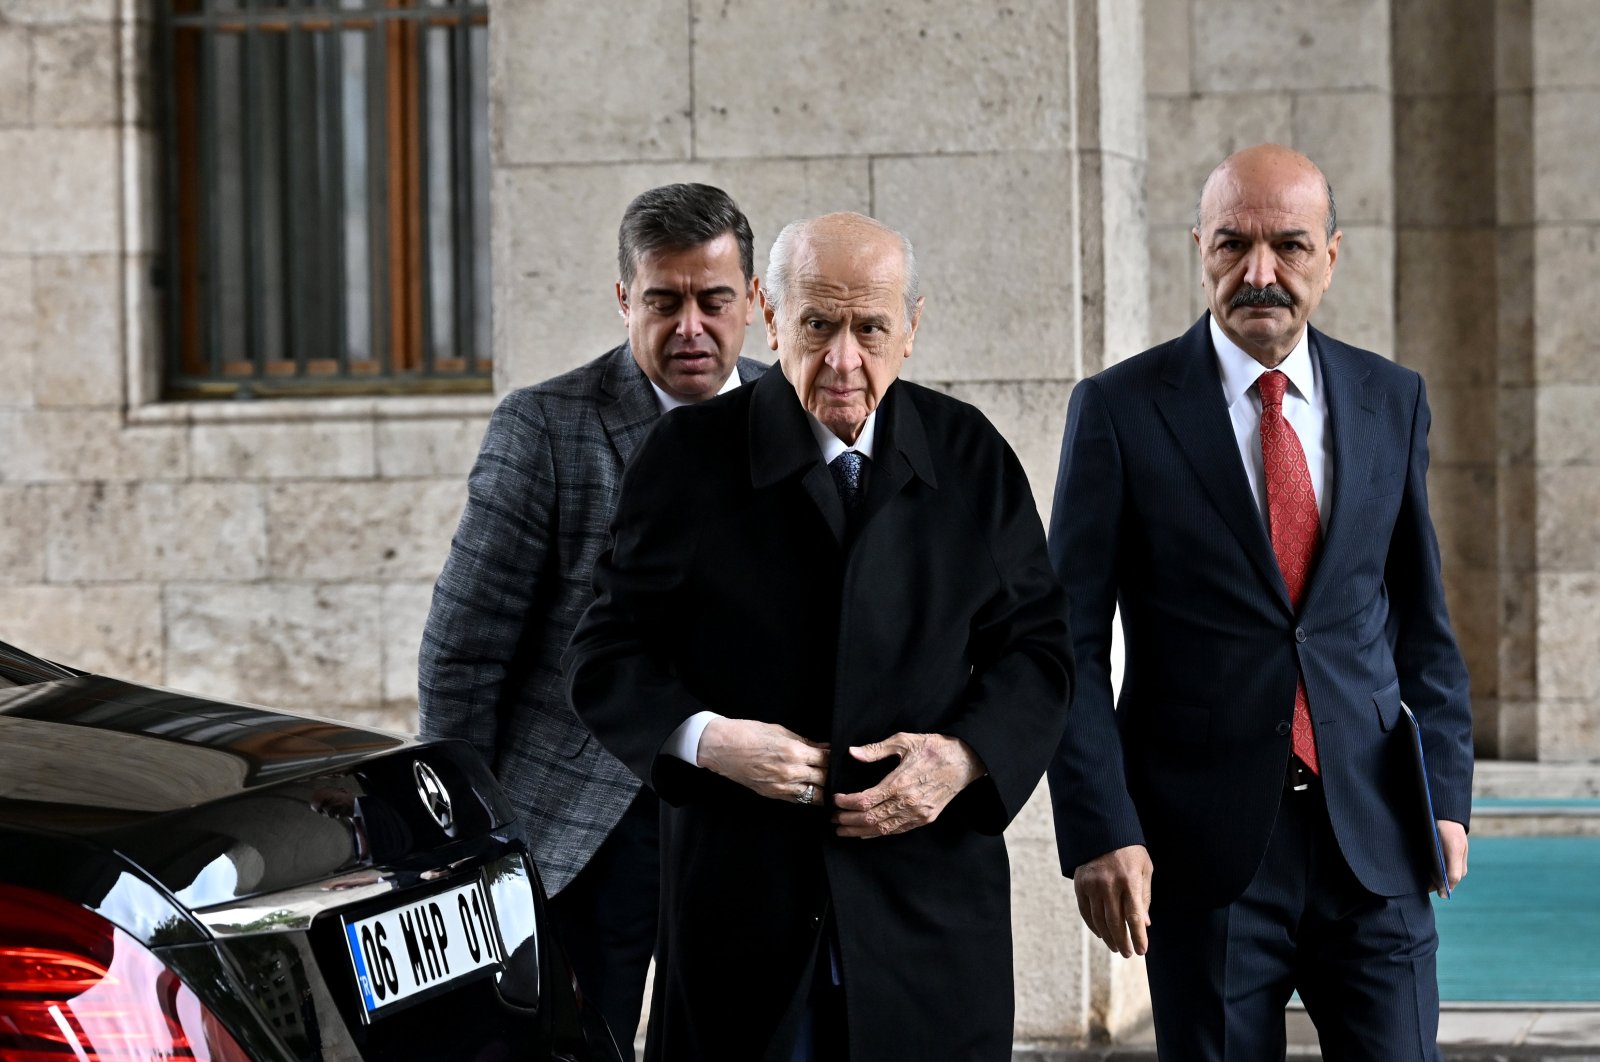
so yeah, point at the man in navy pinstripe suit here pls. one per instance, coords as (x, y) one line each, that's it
(539, 502)
(1253, 496)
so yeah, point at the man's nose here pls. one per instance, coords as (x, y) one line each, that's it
(844, 356)
(691, 323)
(1261, 267)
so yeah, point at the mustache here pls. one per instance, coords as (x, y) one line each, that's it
(1271, 295)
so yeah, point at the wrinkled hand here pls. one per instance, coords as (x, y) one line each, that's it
(932, 770)
(1453, 839)
(1114, 898)
(770, 759)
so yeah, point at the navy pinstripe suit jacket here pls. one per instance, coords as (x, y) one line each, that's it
(539, 505)
(1153, 512)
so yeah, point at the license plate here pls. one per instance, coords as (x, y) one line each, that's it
(406, 951)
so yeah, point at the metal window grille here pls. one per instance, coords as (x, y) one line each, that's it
(327, 185)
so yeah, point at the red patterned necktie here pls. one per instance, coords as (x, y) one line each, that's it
(1295, 527)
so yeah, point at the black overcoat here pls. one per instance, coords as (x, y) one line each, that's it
(734, 585)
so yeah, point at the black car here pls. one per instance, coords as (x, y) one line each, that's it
(186, 878)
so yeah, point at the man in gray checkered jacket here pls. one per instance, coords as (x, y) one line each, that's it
(540, 500)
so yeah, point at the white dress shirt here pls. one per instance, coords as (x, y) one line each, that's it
(668, 403)
(684, 742)
(1305, 407)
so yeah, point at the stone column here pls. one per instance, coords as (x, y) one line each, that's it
(1564, 98)
(1445, 182)
(1103, 995)
(1498, 246)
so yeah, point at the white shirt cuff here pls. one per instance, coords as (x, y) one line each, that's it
(684, 742)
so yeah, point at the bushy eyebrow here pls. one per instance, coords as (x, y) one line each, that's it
(722, 291)
(809, 312)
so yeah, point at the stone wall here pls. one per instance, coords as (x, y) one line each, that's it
(279, 552)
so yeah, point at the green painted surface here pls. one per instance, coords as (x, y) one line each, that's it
(1576, 803)
(1525, 924)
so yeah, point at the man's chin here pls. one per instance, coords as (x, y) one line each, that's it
(846, 426)
(1258, 323)
(695, 384)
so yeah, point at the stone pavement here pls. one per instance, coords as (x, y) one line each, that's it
(1467, 1033)
(1517, 799)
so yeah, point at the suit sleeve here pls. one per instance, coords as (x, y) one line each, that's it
(490, 581)
(1022, 669)
(618, 681)
(1433, 676)
(1094, 813)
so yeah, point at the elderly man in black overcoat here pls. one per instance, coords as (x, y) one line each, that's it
(828, 635)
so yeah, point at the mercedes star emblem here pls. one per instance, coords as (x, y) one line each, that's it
(434, 796)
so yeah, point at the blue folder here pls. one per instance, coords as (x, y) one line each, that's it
(1430, 824)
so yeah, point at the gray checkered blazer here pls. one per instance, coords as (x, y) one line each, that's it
(539, 503)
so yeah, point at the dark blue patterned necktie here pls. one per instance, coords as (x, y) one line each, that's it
(847, 469)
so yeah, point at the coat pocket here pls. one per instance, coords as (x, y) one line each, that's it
(1387, 701)
(558, 730)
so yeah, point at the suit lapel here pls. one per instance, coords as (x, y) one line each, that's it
(782, 446)
(749, 370)
(1351, 415)
(629, 406)
(901, 452)
(1192, 405)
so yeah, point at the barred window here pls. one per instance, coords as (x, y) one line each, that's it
(327, 190)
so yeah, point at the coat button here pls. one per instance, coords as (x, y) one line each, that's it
(1299, 634)
(1284, 727)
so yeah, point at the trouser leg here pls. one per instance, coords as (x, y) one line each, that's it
(1220, 978)
(1367, 965)
(606, 918)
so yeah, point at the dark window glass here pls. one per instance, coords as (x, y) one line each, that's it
(328, 196)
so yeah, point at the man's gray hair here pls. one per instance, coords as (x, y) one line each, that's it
(1330, 228)
(779, 265)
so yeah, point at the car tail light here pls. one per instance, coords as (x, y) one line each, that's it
(75, 987)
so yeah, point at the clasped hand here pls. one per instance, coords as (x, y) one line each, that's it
(932, 770)
(779, 764)
(770, 759)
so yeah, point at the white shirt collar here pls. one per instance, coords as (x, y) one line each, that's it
(1240, 370)
(832, 446)
(669, 403)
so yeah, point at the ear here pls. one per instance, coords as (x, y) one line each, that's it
(770, 315)
(1333, 257)
(916, 319)
(622, 300)
(751, 298)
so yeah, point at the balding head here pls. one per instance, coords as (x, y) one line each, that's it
(844, 229)
(842, 308)
(1272, 163)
